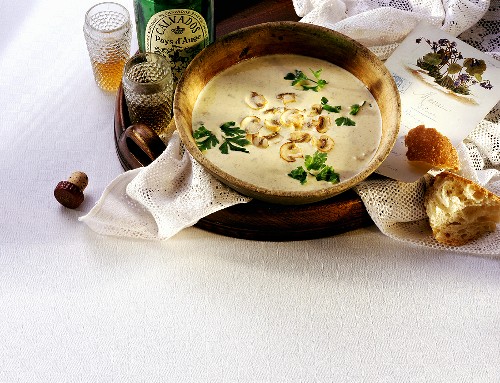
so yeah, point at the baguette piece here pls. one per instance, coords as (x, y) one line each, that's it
(460, 210)
(431, 148)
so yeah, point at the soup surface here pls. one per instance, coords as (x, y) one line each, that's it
(306, 136)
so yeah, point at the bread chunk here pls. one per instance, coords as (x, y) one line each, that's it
(460, 210)
(430, 147)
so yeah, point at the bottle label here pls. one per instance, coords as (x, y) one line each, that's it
(178, 34)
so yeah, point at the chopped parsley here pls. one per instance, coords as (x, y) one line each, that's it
(229, 129)
(316, 167)
(301, 79)
(328, 174)
(299, 174)
(355, 108)
(316, 161)
(345, 121)
(204, 138)
(329, 108)
(233, 137)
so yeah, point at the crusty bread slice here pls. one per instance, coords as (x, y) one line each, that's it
(430, 147)
(460, 210)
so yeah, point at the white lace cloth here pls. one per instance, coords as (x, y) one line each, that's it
(174, 192)
(382, 24)
(158, 201)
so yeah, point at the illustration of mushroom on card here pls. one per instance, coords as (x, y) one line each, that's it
(447, 69)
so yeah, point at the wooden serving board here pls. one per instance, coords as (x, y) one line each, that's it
(255, 220)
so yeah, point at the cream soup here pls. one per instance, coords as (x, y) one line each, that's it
(284, 123)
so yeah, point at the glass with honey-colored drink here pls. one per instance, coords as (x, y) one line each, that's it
(148, 87)
(107, 31)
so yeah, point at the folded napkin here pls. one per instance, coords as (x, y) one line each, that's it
(158, 201)
(174, 192)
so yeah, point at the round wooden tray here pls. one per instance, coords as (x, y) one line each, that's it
(255, 220)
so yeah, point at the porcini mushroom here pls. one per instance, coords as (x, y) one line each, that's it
(289, 152)
(322, 124)
(286, 97)
(298, 136)
(260, 141)
(292, 118)
(324, 143)
(316, 110)
(251, 124)
(255, 100)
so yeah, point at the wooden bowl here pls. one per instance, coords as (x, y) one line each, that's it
(285, 38)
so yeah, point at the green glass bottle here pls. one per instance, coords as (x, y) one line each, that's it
(177, 29)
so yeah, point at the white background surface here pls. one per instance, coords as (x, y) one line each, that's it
(79, 307)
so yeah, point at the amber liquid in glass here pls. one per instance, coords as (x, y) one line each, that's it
(108, 75)
(157, 116)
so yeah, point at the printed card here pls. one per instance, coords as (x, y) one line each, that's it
(444, 84)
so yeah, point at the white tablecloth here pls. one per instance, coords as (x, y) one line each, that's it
(79, 307)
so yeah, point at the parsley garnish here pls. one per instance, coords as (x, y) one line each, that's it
(208, 142)
(299, 174)
(299, 78)
(328, 174)
(229, 129)
(234, 138)
(355, 108)
(345, 121)
(316, 161)
(316, 167)
(329, 108)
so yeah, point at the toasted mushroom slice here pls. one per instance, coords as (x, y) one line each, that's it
(260, 141)
(274, 110)
(255, 100)
(298, 136)
(322, 123)
(272, 124)
(289, 152)
(251, 124)
(298, 122)
(274, 138)
(324, 143)
(308, 124)
(292, 118)
(286, 97)
(316, 110)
